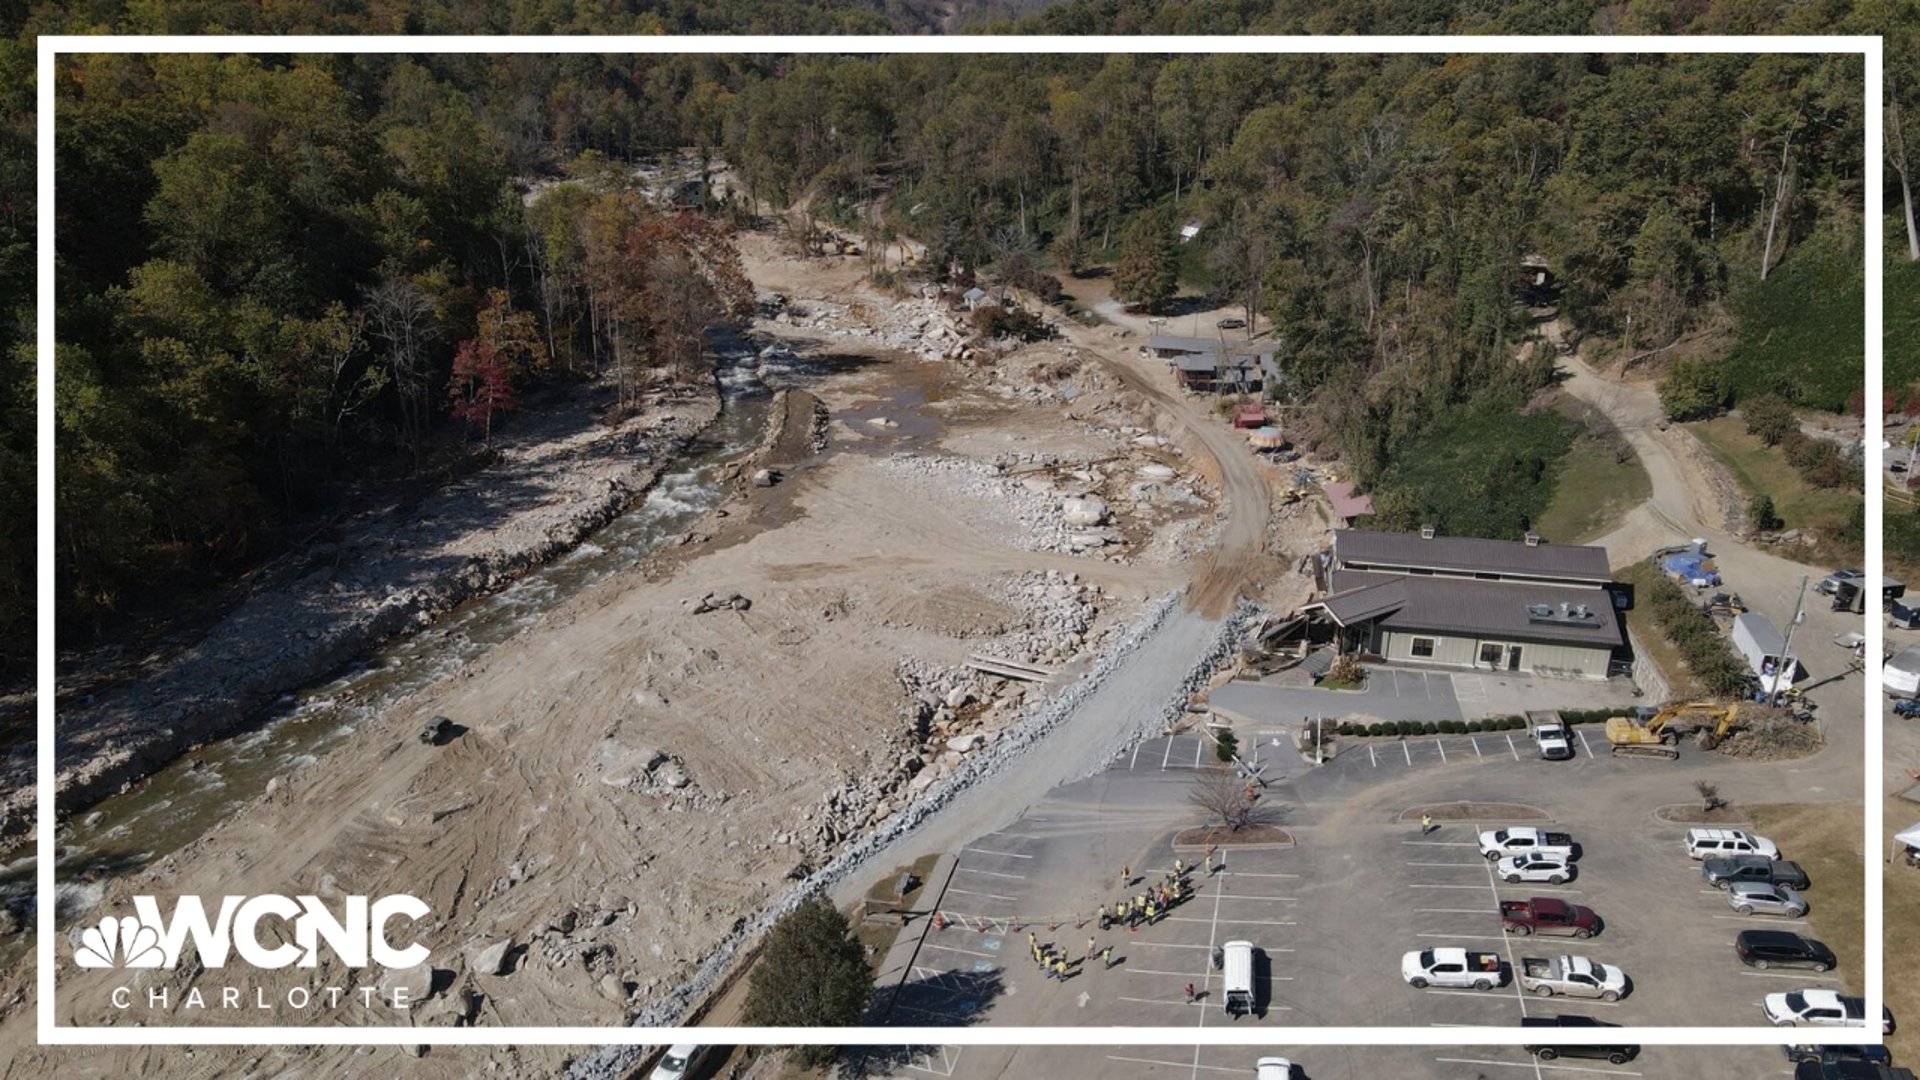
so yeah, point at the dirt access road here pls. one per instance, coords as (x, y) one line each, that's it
(1238, 563)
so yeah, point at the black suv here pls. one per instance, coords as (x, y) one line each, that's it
(1722, 871)
(1777, 948)
(1617, 1054)
(1849, 1070)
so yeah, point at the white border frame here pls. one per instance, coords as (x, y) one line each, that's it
(50, 1032)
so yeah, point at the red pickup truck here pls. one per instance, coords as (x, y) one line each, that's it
(1545, 915)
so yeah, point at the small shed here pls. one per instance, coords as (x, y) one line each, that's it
(976, 298)
(1250, 415)
(1346, 505)
(1188, 231)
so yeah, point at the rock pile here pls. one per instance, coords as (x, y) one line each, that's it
(1031, 511)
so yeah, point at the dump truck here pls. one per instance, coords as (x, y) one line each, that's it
(1571, 976)
(1545, 915)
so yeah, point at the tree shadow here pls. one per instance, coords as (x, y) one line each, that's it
(940, 999)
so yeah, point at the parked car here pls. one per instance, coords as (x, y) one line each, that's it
(1723, 870)
(1747, 897)
(1442, 966)
(1525, 840)
(1703, 843)
(1618, 1053)
(438, 730)
(1823, 1053)
(1849, 1070)
(1545, 915)
(1273, 1068)
(1231, 323)
(1552, 869)
(1820, 1008)
(679, 1062)
(1573, 976)
(1837, 578)
(1777, 948)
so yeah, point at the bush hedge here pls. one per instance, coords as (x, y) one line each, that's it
(1708, 655)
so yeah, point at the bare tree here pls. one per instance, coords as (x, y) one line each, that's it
(1709, 794)
(403, 317)
(1896, 149)
(1228, 800)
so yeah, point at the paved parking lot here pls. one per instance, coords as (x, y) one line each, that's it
(1333, 914)
(1317, 1063)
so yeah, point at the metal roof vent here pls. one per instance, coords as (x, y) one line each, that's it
(1533, 538)
(1427, 531)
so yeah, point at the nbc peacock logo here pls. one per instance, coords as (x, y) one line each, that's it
(121, 942)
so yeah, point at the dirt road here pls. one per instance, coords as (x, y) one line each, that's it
(1238, 561)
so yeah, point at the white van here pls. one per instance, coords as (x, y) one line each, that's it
(1900, 675)
(1273, 1068)
(1704, 843)
(1237, 964)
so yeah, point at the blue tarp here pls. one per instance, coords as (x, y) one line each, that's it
(1690, 567)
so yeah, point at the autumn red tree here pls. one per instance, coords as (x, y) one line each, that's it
(481, 385)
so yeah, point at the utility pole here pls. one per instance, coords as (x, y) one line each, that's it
(1319, 739)
(1786, 658)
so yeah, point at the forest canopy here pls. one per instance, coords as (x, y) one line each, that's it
(249, 218)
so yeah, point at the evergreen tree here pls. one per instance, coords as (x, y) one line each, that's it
(812, 973)
(1148, 273)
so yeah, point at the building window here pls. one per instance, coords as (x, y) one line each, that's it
(1422, 646)
(1490, 652)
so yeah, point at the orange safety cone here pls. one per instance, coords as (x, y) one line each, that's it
(1052, 924)
(939, 921)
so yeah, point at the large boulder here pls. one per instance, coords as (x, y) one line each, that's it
(1086, 510)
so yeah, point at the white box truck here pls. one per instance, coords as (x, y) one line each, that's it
(1900, 676)
(1765, 651)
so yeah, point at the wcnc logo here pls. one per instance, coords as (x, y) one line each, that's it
(150, 941)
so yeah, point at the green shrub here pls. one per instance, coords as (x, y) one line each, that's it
(1376, 728)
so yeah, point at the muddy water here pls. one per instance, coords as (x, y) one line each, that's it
(181, 802)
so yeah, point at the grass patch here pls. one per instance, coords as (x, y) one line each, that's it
(1763, 470)
(1595, 489)
(1900, 894)
(1803, 330)
(1824, 838)
(1900, 324)
(1651, 639)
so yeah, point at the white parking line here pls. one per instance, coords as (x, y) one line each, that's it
(1270, 899)
(964, 952)
(1443, 751)
(1539, 1065)
(1468, 937)
(1173, 1064)
(1372, 758)
(1197, 747)
(1764, 921)
(988, 895)
(1449, 865)
(1235, 922)
(1477, 755)
(1168, 756)
(1445, 843)
(1443, 886)
(1249, 873)
(1485, 995)
(1583, 741)
(1135, 759)
(1510, 746)
(1001, 854)
(1408, 750)
(1801, 975)
(989, 873)
(1453, 911)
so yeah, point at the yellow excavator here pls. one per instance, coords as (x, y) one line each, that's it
(1658, 735)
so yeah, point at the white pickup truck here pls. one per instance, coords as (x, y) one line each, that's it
(1452, 967)
(1551, 735)
(1574, 976)
(1525, 840)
